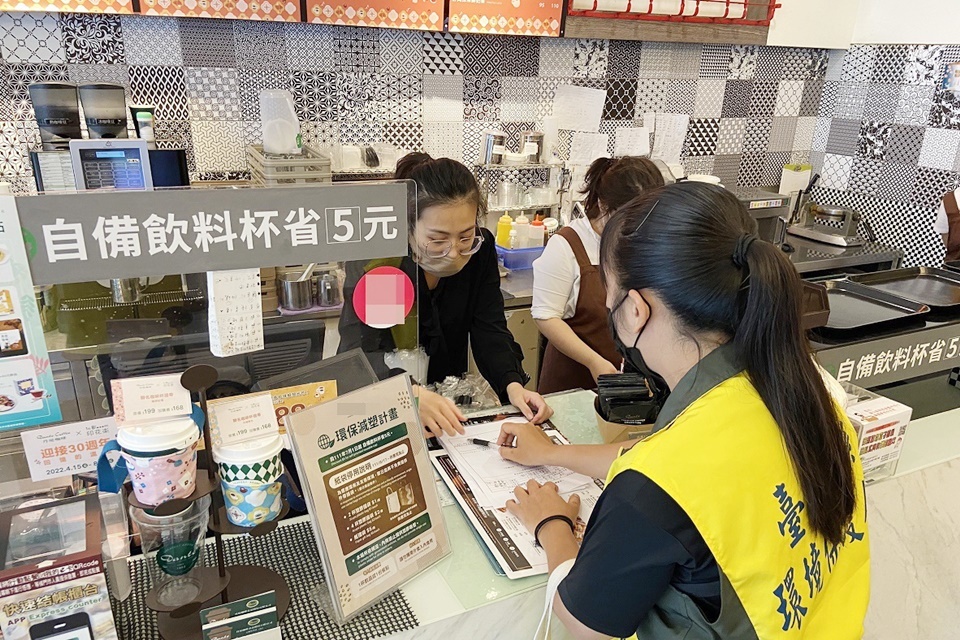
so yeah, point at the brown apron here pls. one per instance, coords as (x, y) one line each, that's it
(953, 219)
(589, 322)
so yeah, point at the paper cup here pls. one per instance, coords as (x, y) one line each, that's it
(161, 458)
(250, 479)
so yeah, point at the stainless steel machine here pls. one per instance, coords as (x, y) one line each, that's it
(837, 226)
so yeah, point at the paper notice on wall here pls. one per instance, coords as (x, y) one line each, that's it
(578, 108)
(235, 320)
(587, 147)
(632, 142)
(670, 135)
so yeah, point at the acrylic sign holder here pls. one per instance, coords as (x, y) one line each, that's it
(221, 584)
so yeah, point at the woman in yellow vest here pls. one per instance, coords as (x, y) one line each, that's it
(742, 516)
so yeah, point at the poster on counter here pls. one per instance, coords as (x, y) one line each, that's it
(28, 397)
(66, 449)
(373, 501)
(507, 17)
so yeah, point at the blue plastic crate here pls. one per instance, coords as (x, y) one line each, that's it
(518, 259)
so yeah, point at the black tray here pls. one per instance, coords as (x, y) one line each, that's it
(953, 265)
(855, 308)
(939, 289)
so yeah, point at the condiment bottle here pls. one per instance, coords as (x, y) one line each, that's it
(522, 225)
(536, 233)
(503, 230)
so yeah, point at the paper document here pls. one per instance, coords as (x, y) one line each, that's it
(632, 142)
(235, 318)
(578, 108)
(587, 147)
(670, 135)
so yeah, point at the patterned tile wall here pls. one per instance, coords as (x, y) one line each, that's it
(887, 141)
(872, 119)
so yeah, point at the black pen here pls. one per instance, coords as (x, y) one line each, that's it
(486, 443)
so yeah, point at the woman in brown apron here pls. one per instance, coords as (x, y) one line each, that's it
(569, 296)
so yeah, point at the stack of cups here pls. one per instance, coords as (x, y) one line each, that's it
(161, 458)
(250, 478)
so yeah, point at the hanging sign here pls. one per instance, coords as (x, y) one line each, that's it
(27, 394)
(510, 17)
(395, 14)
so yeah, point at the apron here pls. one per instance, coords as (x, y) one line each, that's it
(589, 322)
(724, 462)
(953, 219)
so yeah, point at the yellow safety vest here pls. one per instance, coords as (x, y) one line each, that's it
(723, 460)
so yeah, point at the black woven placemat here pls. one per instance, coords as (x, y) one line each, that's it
(292, 552)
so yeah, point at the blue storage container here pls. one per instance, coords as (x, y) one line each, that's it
(518, 259)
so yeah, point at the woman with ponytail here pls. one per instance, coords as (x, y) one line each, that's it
(568, 292)
(743, 514)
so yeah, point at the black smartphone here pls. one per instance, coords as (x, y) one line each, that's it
(73, 627)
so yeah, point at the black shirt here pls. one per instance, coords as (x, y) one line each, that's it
(465, 308)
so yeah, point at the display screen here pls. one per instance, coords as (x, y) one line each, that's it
(112, 169)
(73, 634)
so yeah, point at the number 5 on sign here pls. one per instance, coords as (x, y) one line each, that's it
(343, 224)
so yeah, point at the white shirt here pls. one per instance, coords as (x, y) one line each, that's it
(556, 275)
(942, 225)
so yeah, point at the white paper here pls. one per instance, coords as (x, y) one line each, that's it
(670, 135)
(248, 417)
(578, 108)
(235, 317)
(149, 398)
(632, 142)
(66, 449)
(493, 479)
(650, 121)
(587, 147)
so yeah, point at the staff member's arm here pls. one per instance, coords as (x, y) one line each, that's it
(528, 445)
(497, 354)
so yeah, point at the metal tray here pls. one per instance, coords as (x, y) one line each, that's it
(855, 308)
(953, 265)
(939, 289)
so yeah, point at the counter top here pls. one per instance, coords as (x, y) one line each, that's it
(517, 288)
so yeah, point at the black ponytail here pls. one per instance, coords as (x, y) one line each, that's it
(615, 182)
(695, 246)
(439, 181)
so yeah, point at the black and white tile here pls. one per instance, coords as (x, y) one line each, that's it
(889, 65)
(315, 95)
(443, 54)
(797, 64)
(709, 102)
(15, 139)
(90, 38)
(764, 100)
(770, 64)
(361, 132)
(945, 112)
(939, 149)
(212, 94)
(404, 135)
(715, 61)
(546, 91)
(737, 98)
(556, 58)
(621, 103)
(174, 134)
(821, 134)
(931, 185)
(590, 58)
(873, 139)
(727, 168)
(835, 173)
(311, 46)
(260, 45)
(520, 98)
(31, 38)
(897, 181)
(702, 137)
(730, 136)
(218, 145)
(401, 52)
(651, 96)
(812, 94)
(251, 82)
(866, 176)
(844, 137)
(773, 167)
(481, 98)
(473, 140)
(881, 102)
(904, 144)
(756, 136)
(110, 73)
(357, 95)
(400, 99)
(743, 62)
(685, 61)
(656, 60)
(752, 165)
(789, 98)
(922, 66)
(151, 40)
(828, 101)
(914, 105)
(851, 100)
(482, 55)
(442, 98)
(783, 131)
(207, 43)
(162, 86)
(444, 139)
(682, 96)
(521, 56)
(320, 135)
(623, 59)
(858, 64)
(357, 50)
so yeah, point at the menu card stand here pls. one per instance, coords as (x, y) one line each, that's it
(221, 584)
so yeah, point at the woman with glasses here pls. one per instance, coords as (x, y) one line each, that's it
(460, 302)
(743, 514)
(568, 292)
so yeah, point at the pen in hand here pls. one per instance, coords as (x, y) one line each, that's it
(486, 443)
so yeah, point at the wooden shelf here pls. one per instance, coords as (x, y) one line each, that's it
(670, 31)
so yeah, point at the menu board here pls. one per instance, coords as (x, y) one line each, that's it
(426, 15)
(510, 17)
(282, 10)
(27, 394)
(373, 499)
(72, 6)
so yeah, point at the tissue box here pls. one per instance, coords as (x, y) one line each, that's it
(52, 585)
(881, 425)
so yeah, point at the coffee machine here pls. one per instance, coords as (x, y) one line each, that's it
(58, 113)
(105, 110)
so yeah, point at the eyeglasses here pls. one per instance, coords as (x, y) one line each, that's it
(465, 246)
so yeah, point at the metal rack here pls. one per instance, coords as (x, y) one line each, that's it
(735, 12)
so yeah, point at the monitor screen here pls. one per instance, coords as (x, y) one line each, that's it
(112, 168)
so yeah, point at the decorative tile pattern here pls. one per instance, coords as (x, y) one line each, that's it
(590, 58)
(922, 66)
(473, 139)
(727, 168)
(851, 100)
(904, 144)
(400, 99)
(520, 98)
(764, 100)
(685, 62)
(623, 59)
(818, 64)
(404, 135)
(173, 134)
(15, 139)
(702, 164)
(737, 98)
(782, 134)
(260, 45)
(482, 55)
(443, 53)
(743, 62)
(756, 136)
(22, 76)
(789, 98)
(311, 46)
(770, 64)
(357, 50)
(218, 145)
(796, 64)
(751, 169)
(521, 56)
(90, 38)
(656, 60)
(165, 87)
(835, 173)
(773, 167)
(112, 73)
(945, 112)
(730, 137)
(939, 148)
(835, 60)
(803, 137)
(866, 176)
(812, 94)
(621, 103)
(682, 96)
(828, 102)
(151, 40)
(715, 60)
(320, 134)
(207, 43)
(889, 65)
(914, 105)
(844, 136)
(481, 98)
(442, 98)
(356, 96)
(315, 95)
(702, 137)
(556, 58)
(361, 133)
(931, 185)
(32, 38)
(897, 181)
(212, 94)
(444, 139)
(251, 81)
(651, 96)
(546, 91)
(873, 140)
(858, 64)
(882, 102)
(709, 98)
(821, 134)
(401, 52)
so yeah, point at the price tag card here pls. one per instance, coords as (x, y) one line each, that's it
(149, 399)
(66, 449)
(254, 618)
(243, 418)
